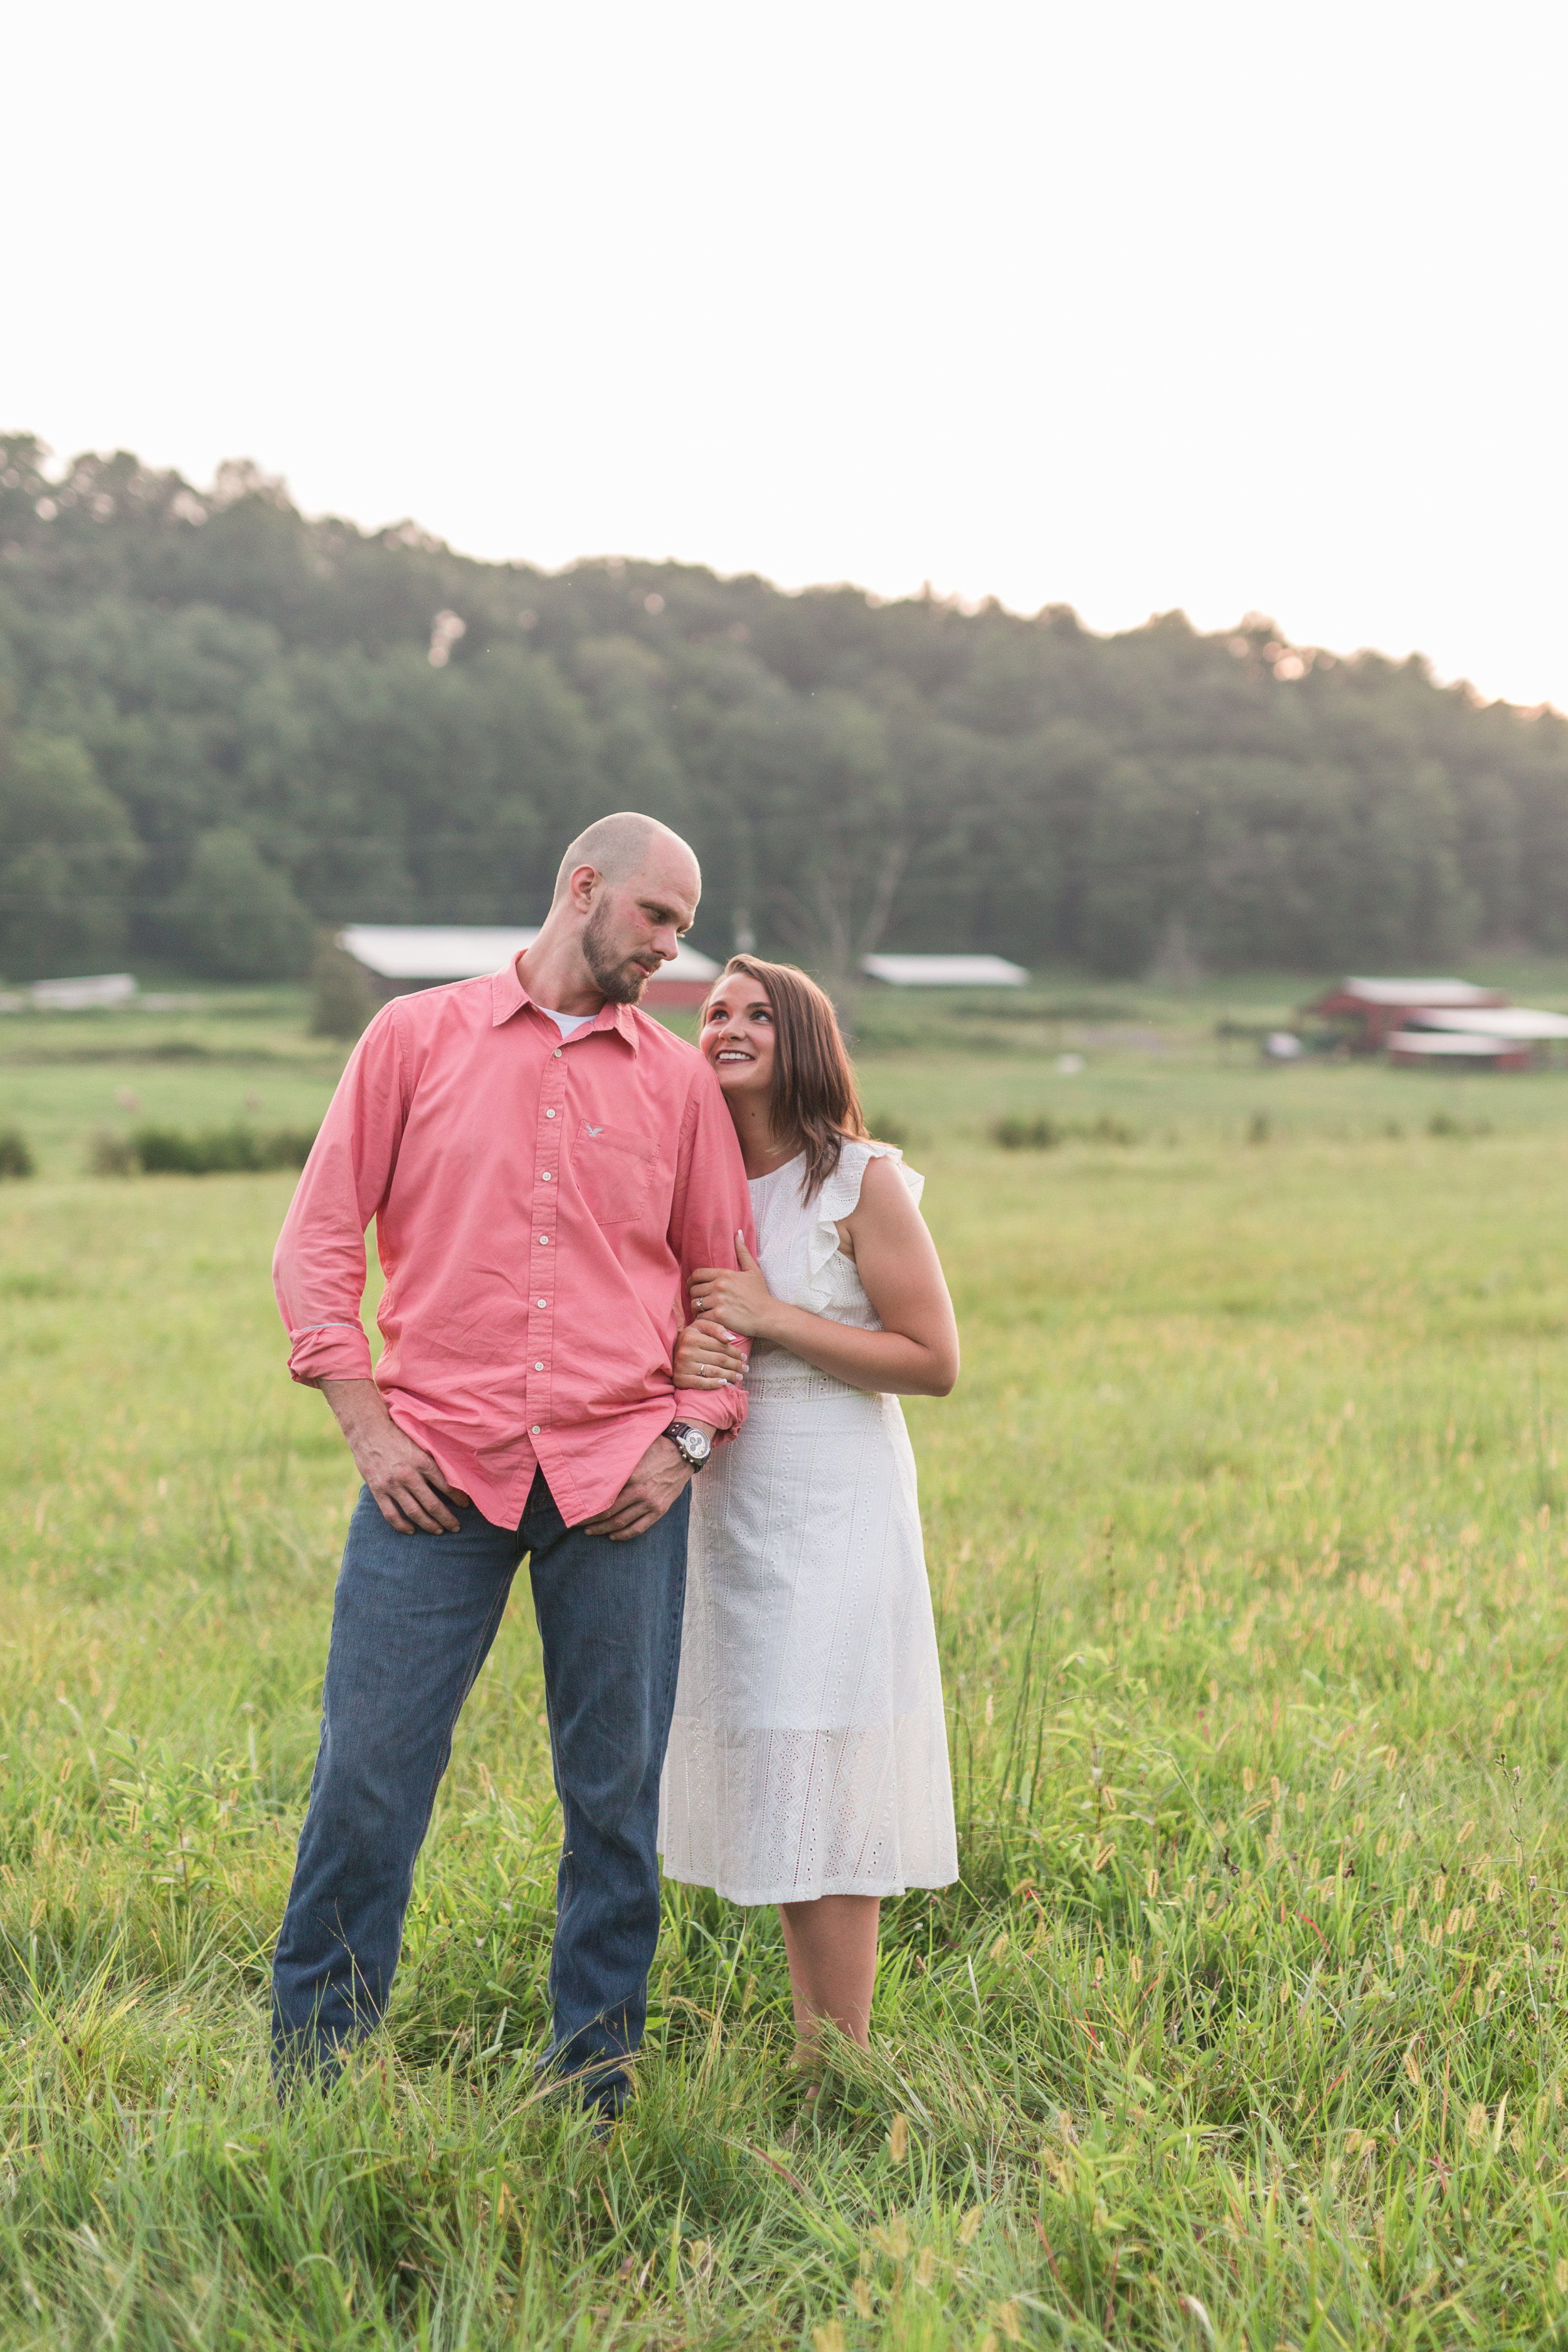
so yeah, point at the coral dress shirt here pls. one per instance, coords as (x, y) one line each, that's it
(538, 1204)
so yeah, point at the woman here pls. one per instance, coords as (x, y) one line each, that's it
(807, 1762)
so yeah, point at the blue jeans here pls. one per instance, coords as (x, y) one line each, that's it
(412, 1621)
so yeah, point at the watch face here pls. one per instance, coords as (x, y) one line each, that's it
(695, 1444)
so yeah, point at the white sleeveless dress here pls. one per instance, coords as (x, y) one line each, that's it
(808, 1752)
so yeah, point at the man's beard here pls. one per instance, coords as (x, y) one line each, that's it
(622, 984)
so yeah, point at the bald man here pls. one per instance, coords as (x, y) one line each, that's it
(546, 1167)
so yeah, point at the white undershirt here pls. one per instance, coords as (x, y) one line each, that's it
(568, 1022)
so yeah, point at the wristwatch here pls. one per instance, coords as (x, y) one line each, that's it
(693, 1443)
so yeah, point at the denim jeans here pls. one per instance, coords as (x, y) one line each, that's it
(412, 1621)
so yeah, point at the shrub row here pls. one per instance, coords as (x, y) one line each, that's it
(211, 1151)
(1044, 1134)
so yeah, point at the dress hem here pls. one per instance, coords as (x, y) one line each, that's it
(884, 1890)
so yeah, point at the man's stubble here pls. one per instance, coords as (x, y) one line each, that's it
(622, 983)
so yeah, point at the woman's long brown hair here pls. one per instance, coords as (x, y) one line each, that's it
(814, 1094)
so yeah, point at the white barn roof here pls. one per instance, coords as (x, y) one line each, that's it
(1520, 1022)
(1416, 991)
(944, 971)
(1450, 1045)
(465, 951)
(84, 995)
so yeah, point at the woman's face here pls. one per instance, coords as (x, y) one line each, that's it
(739, 1036)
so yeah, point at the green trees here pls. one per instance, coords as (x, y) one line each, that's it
(67, 852)
(221, 727)
(234, 917)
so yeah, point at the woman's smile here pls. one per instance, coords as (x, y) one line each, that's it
(739, 1038)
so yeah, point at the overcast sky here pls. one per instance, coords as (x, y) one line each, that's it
(1125, 307)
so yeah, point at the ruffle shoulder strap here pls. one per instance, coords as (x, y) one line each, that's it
(839, 1197)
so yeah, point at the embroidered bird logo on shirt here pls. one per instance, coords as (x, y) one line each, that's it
(596, 1131)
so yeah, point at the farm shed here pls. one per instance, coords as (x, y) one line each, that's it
(93, 993)
(1535, 1033)
(944, 971)
(403, 956)
(1371, 1011)
(1522, 1023)
(1426, 1049)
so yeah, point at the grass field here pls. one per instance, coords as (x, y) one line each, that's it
(1245, 1532)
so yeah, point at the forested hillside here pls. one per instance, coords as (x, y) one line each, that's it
(222, 725)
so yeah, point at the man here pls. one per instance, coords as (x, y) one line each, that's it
(546, 1167)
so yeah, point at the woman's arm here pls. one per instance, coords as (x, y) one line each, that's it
(915, 1353)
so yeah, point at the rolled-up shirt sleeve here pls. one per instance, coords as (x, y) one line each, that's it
(713, 1203)
(318, 1267)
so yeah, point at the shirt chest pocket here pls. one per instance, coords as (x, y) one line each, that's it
(615, 1171)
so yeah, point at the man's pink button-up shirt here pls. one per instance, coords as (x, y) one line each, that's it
(538, 1207)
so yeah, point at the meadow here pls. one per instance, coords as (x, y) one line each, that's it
(1246, 1529)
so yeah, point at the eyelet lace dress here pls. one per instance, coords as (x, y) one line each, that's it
(808, 1753)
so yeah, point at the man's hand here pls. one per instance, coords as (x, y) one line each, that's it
(647, 1495)
(407, 1482)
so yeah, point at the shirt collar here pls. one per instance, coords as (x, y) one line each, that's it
(509, 996)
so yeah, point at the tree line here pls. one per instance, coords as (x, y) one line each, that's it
(223, 726)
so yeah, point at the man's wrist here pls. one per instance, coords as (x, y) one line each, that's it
(354, 1400)
(692, 1440)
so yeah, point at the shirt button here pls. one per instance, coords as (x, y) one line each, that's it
(558, 1052)
(534, 1431)
(544, 1302)
(539, 1368)
(544, 1241)
(550, 1114)
(545, 1178)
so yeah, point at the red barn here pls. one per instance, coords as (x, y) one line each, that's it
(1373, 1010)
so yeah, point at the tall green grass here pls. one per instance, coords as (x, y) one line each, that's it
(1244, 2025)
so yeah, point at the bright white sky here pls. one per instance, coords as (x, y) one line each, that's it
(1126, 306)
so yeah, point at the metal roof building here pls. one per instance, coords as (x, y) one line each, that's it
(1454, 1048)
(403, 956)
(944, 971)
(1379, 1007)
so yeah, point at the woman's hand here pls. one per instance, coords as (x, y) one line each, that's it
(707, 1357)
(742, 1300)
